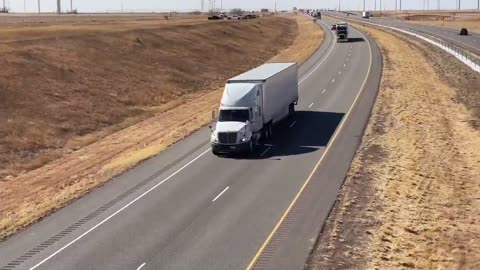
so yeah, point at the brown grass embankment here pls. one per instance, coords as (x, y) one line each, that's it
(411, 197)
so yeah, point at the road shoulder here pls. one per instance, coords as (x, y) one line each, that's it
(410, 199)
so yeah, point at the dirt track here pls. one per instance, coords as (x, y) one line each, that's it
(410, 200)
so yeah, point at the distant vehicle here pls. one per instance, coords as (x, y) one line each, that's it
(249, 16)
(318, 15)
(463, 32)
(366, 14)
(342, 32)
(215, 17)
(334, 27)
(252, 104)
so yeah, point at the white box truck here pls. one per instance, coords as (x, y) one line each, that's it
(252, 104)
(366, 14)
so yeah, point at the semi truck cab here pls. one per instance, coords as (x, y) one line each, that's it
(252, 103)
(342, 32)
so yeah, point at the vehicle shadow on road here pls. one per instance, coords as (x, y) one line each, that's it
(308, 132)
(354, 40)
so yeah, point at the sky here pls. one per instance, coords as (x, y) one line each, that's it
(190, 5)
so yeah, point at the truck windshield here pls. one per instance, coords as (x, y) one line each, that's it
(234, 116)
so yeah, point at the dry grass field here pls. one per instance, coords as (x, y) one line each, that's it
(411, 198)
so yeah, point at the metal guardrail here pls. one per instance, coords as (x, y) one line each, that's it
(465, 54)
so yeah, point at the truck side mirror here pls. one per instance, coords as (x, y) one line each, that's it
(213, 116)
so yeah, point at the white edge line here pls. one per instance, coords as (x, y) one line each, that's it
(324, 90)
(294, 122)
(221, 193)
(141, 266)
(333, 80)
(310, 106)
(119, 210)
(264, 152)
(321, 62)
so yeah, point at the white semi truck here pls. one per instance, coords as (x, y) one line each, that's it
(252, 104)
(342, 32)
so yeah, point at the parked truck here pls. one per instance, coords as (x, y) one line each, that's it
(252, 104)
(366, 14)
(342, 31)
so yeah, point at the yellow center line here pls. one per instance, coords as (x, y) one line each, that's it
(310, 176)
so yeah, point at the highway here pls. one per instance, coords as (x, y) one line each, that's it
(469, 43)
(188, 209)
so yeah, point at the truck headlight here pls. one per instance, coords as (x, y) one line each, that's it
(214, 138)
(244, 139)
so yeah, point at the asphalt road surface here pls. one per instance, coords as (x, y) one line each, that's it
(470, 43)
(188, 209)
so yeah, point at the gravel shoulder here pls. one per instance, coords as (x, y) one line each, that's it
(410, 200)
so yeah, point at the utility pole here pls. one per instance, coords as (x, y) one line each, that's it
(71, 5)
(59, 6)
(339, 4)
(459, 4)
(400, 4)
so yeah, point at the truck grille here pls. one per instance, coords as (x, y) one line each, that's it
(227, 137)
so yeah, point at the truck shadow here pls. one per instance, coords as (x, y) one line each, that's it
(309, 132)
(354, 40)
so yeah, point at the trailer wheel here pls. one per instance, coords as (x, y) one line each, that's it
(215, 152)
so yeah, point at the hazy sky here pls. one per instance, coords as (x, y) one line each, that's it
(185, 5)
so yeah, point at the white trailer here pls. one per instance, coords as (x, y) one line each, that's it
(252, 104)
(366, 14)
